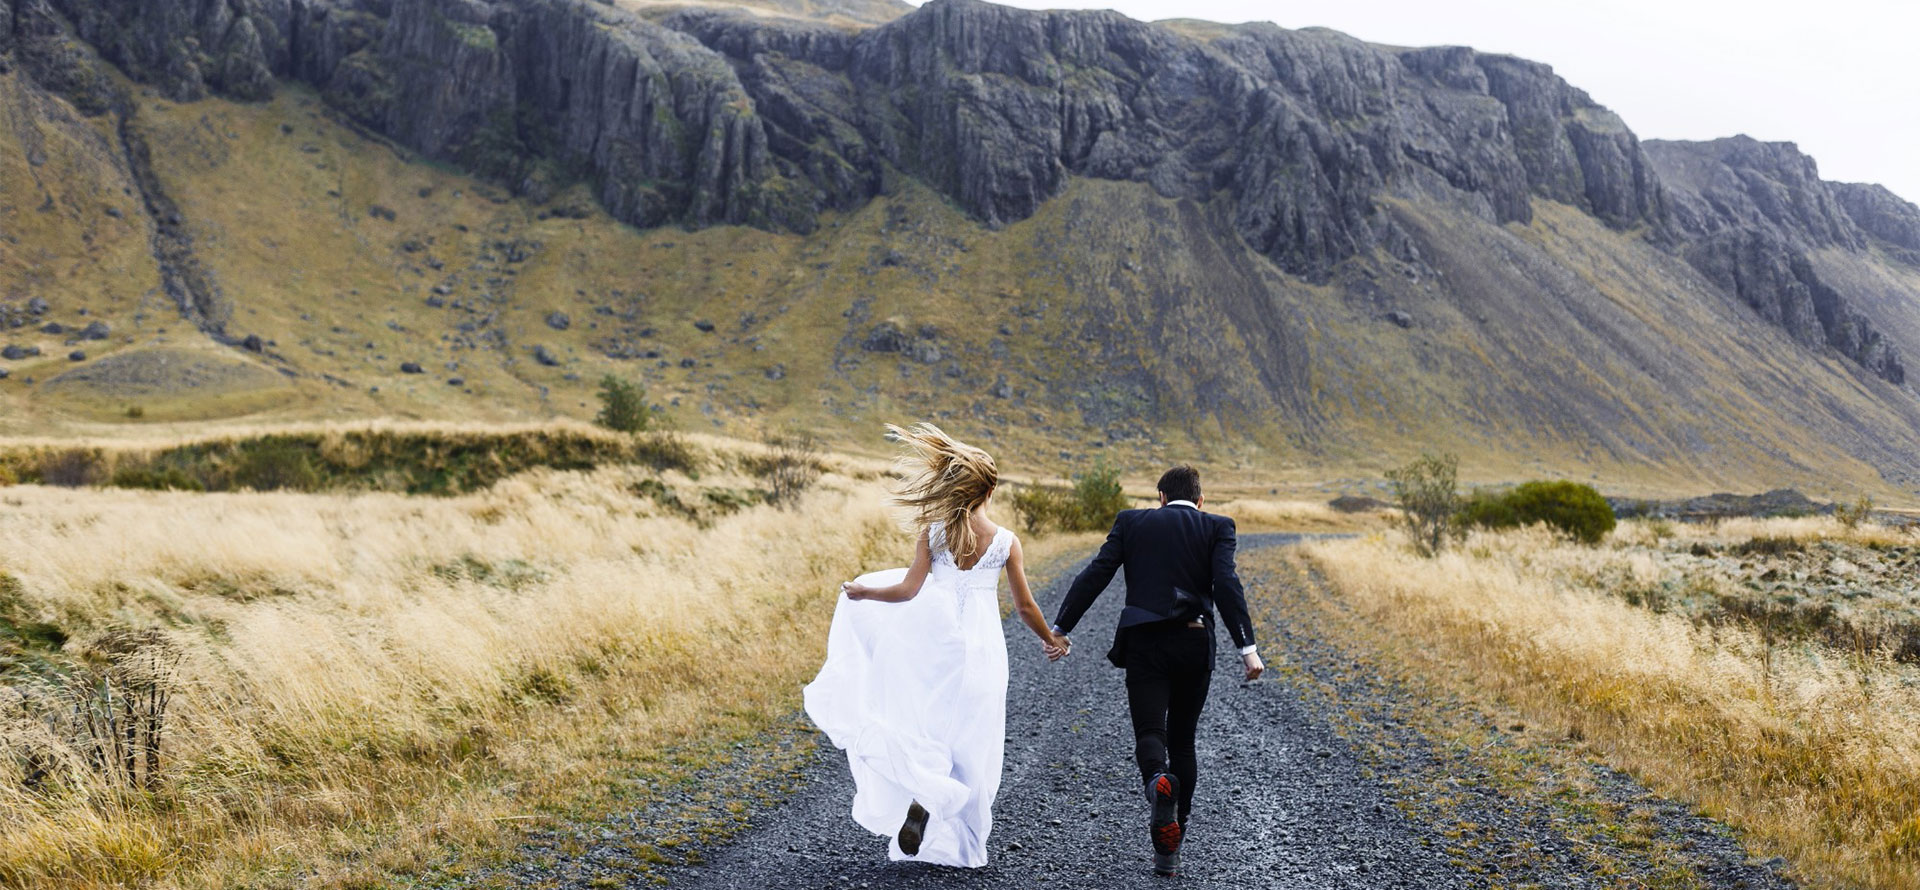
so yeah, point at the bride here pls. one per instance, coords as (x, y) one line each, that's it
(914, 688)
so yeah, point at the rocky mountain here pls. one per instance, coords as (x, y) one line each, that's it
(1524, 261)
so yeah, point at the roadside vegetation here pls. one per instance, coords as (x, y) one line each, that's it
(340, 689)
(1764, 670)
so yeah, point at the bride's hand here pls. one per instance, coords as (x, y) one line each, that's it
(1057, 648)
(855, 591)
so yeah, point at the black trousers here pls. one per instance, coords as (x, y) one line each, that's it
(1169, 666)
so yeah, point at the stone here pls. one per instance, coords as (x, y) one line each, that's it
(1399, 318)
(886, 336)
(4, 373)
(53, 327)
(542, 356)
(436, 302)
(704, 326)
(1348, 503)
(411, 368)
(16, 352)
(777, 372)
(559, 321)
(925, 352)
(37, 306)
(253, 343)
(456, 381)
(97, 330)
(77, 356)
(1001, 388)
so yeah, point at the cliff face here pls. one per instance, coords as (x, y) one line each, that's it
(706, 117)
(1749, 211)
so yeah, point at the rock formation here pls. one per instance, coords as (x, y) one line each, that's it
(710, 116)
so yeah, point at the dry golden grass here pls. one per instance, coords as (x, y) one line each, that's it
(370, 678)
(1253, 514)
(1815, 754)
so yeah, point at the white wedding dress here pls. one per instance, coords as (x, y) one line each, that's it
(916, 694)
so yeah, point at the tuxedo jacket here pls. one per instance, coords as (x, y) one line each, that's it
(1179, 565)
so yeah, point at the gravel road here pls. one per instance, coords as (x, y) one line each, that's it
(1303, 785)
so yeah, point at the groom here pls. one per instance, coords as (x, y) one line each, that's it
(1179, 564)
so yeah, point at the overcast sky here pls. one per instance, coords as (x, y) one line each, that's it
(1839, 77)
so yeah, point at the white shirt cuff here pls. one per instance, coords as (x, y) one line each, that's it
(1247, 650)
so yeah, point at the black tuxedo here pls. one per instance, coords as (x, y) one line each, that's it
(1166, 552)
(1179, 569)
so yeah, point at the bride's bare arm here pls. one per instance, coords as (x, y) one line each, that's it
(908, 588)
(1023, 603)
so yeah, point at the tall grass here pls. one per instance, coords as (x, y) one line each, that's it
(1814, 752)
(365, 676)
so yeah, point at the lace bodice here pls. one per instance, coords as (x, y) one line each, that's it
(985, 572)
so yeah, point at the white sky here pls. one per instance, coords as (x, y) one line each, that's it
(1839, 77)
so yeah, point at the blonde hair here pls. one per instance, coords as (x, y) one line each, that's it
(945, 480)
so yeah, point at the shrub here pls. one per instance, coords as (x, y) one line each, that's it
(71, 467)
(1426, 491)
(1090, 505)
(1097, 497)
(1852, 515)
(792, 468)
(623, 406)
(1572, 508)
(1039, 507)
(275, 464)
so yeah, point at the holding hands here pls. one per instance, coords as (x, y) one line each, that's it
(1056, 646)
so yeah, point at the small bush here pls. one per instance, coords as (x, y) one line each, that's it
(1097, 497)
(135, 412)
(1039, 508)
(71, 467)
(1852, 515)
(1090, 505)
(1426, 492)
(792, 468)
(1569, 507)
(623, 406)
(276, 464)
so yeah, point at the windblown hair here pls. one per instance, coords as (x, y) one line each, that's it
(945, 480)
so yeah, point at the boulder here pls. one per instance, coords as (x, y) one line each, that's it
(544, 357)
(887, 336)
(411, 368)
(1399, 318)
(77, 356)
(37, 306)
(16, 352)
(559, 321)
(95, 331)
(1349, 503)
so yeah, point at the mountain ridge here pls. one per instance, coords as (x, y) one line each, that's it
(1337, 162)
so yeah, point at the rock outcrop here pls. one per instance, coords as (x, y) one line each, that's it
(1750, 211)
(711, 116)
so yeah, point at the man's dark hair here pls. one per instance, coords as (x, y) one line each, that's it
(1182, 483)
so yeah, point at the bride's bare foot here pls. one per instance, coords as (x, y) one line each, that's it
(913, 830)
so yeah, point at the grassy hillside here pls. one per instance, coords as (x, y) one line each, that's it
(1113, 322)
